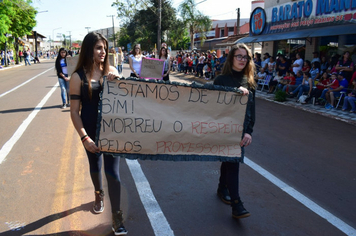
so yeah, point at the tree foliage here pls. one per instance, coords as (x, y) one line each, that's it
(178, 35)
(194, 20)
(127, 9)
(17, 17)
(142, 26)
(140, 22)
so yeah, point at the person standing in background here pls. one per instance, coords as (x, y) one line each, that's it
(120, 58)
(63, 79)
(163, 55)
(135, 60)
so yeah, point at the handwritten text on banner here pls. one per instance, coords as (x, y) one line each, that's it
(167, 120)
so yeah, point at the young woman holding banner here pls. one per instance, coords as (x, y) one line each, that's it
(238, 71)
(85, 88)
(163, 55)
(135, 60)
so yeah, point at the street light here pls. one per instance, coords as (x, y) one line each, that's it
(53, 35)
(88, 29)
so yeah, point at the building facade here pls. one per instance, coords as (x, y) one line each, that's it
(109, 34)
(306, 26)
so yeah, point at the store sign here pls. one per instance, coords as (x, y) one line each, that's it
(303, 14)
(258, 21)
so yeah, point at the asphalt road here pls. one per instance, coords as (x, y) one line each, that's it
(299, 177)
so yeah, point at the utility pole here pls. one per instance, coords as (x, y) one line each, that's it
(238, 21)
(159, 25)
(113, 27)
(88, 29)
(70, 39)
(35, 35)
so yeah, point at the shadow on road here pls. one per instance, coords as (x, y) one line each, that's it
(46, 220)
(101, 230)
(28, 109)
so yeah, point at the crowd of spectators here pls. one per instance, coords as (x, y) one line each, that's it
(200, 64)
(322, 80)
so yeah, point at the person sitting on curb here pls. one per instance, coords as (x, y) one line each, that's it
(334, 93)
(260, 75)
(333, 84)
(274, 82)
(319, 87)
(288, 79)
(298, 81)
(305, 86)
(350, 99)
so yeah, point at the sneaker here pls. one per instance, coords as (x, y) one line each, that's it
(224, 195)
(98, 206)
(63, 106)
(118, 223)
(68, 105)
(238, 210)
(327, 106)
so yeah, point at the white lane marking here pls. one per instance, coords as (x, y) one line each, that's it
(11, 90)
(338, 223)
(5, 150)
(158, 221)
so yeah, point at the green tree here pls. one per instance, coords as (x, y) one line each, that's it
(194, 20)
(17, 17)
(140, 24)
(5, 21)
(178, 35)
(127, 9)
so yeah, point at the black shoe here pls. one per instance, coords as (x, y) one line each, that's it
(238, 210)
(98, 206)
(224, 195)
(118, 223)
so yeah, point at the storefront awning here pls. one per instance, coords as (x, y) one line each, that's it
(301, 34)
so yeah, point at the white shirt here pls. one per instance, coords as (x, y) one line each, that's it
(64, 66)
(263, 63)
(136, 64)
(300, 65)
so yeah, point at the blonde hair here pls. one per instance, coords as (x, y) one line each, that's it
(248, 71)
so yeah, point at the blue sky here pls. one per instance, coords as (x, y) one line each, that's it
(75, 15)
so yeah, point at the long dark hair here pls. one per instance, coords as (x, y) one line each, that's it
(249, 70)
(134, 50)
(86, 56)
(160, 52)
(59, 58)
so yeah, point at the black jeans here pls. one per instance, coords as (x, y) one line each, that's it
(111, 168)
(200, 69)
(229, 177)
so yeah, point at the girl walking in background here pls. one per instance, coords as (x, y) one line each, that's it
(63, 79)
(163, 55)
(120, 58)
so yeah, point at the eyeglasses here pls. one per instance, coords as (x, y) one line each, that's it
(239, 57)
(137, 48)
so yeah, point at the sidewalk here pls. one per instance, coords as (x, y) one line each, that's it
(336, 114)
(20, 64)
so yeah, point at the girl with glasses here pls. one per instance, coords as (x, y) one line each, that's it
(238, 72)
